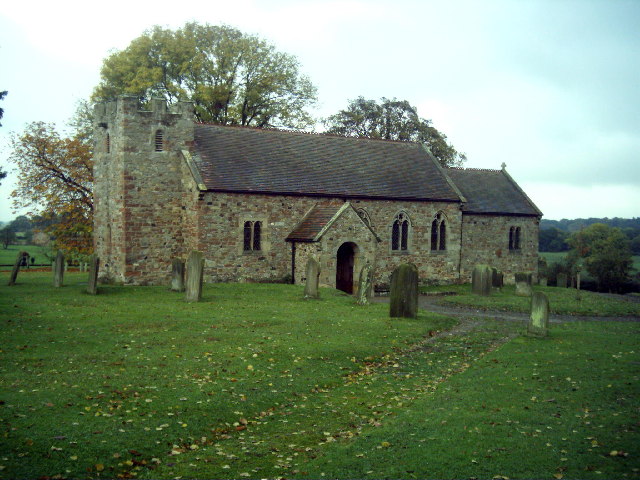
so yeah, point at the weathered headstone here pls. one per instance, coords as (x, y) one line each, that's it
(561, 280)
(539, 321)
(542, 281)
(365, 285)
(195, 271)
(177, 275)
(313, 278)
(94, 267)
(58, 269)
(481, 280)
(497, 278)
(404, 292)
(523, 284)
(16, 268)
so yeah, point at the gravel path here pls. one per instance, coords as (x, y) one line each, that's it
(434, 304)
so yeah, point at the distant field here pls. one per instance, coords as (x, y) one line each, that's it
(8, 256)
(555, 257)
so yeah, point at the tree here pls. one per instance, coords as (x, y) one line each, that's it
(553, 240)
(55, 180)
(393, 120)
(7, 236)
(232, 78)
(605, 253)
(2, 95)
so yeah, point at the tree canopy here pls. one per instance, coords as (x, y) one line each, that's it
(55, 180)
(604, 252)
(393, 120)
(232, 78)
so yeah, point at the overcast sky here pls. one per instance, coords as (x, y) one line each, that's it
(551, 88)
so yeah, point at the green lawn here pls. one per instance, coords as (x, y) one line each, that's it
(564, 301)
(256, 382)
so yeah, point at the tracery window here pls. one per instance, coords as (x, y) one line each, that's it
(439, 232)
(400, 232)
(514, 238)
(252, 234)
(159, 141)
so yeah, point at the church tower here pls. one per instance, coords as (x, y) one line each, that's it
(139, 200)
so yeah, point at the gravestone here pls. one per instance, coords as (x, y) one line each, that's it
(481, 280)
(16, 268)
(195, 271)
(539, 320)
(58, 269)
(365, 285)
(497, 278)
(177, 275)
(561, 280)
(313, 278)
(403, 301)
(542, 281)
(523, 284)
(94, 267)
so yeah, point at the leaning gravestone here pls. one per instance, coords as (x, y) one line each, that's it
(539, 321)
(94, 267)
(523, 284)
(561, 280)
(365, 285)
(58, 269)
(195, 271)
(481, 280)
(177, 275)
(16, 268)
(404, 292)
(313, 278)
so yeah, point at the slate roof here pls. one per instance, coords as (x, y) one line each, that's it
(491, 192)
(314, 221)
(235, 159)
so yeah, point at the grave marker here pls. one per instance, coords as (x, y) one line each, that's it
(365, 285)
(539, 320)
(16, 268)
(177, 275)
(94, 266)
(481, 280)
(523, 284)
(313, 278)
(58, 269)
(195, 271)
(404, 292)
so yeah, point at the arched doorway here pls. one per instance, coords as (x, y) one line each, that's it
(344, 267)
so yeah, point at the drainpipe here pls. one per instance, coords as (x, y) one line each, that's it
(293, 263)
(460, 256)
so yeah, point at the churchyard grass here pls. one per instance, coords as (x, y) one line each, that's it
(564, 301)
(255, 382)
(8, 255)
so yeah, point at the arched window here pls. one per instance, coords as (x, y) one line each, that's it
(514, 238)
(400, 232)
(108, 143)
(439, 232)
(159, 141)
(252, 234)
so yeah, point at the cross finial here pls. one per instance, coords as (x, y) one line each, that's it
(504, 165)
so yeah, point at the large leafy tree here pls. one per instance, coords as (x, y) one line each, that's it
(393, 120)
(605, 253)
(232, 78)
(55, 181)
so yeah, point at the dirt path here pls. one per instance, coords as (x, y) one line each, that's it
(434, 304)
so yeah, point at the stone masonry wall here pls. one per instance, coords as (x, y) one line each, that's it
(140, 191)
(485, 240)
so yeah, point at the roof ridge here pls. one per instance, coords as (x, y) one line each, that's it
(474, 169)
(305, 132)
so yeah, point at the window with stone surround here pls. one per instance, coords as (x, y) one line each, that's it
(252, 234)
(439, 232)
(515, 235)
(159, 141)
(400, 233)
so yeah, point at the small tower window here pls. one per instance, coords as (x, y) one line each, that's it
(108, 144)
(159, 141)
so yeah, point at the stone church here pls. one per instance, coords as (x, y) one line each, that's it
(258, 203)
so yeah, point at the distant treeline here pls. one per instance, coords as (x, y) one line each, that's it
(554, 233)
